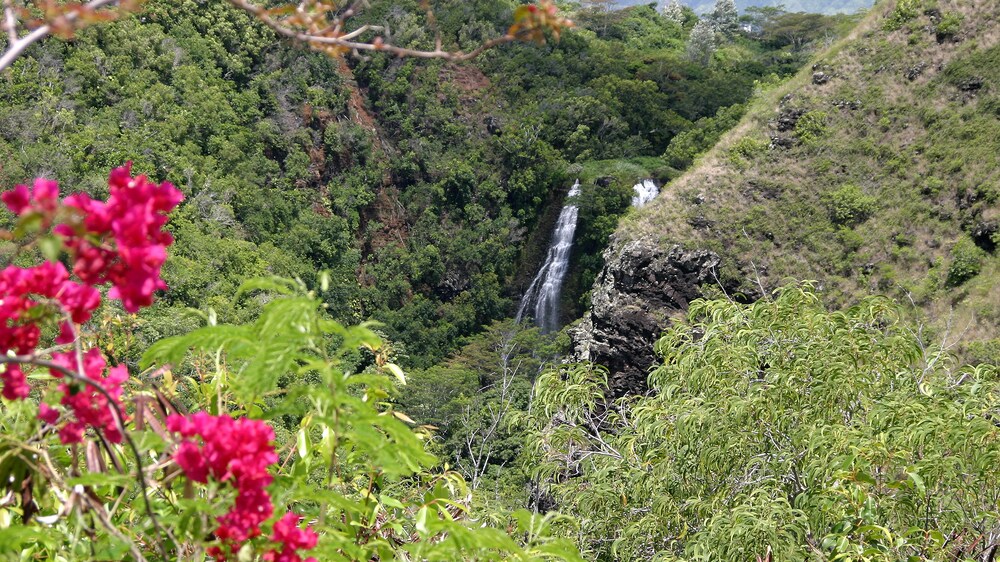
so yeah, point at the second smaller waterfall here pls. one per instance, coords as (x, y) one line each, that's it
(546, 288)
(645, 192)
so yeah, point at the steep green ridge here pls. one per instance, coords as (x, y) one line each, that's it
(875, 171)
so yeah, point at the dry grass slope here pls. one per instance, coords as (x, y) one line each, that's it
(875, 171)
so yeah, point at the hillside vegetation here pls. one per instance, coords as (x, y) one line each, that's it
(426, 189)
(304, 349)
(874, 171)
(810, 6)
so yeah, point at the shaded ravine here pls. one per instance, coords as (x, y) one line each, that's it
(542, 296)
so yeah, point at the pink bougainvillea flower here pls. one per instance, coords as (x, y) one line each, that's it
(48, 414)
(18, 200)
(122, 240)
(15, 385)
(24, 289)
(291, 538)
(88, 406)
(42, 198)
(236, 452)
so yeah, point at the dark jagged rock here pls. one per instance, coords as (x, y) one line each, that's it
(493, 125)
(914, 72)
(781, 142)
(757, 188)
(700, 222)
(636, 292)
(452, 284)
(852, 105)
(604, 181)
(971, 84)
(788, 118)
(984, 235)
(820, 78)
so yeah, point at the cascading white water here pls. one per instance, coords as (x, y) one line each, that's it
(644, 193)
(544, 290)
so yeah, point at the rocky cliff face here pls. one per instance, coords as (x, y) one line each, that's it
(640, 287)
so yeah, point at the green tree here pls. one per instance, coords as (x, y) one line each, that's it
(777, 426)
(799, 29)
(702, 42)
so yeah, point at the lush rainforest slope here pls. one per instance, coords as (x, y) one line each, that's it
(745, 389)
(426, 189)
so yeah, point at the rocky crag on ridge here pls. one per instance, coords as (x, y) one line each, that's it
(880, 176)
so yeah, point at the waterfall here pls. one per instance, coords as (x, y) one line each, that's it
(644, 193)
(544, 290)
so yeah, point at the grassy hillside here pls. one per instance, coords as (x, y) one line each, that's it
(873, 171)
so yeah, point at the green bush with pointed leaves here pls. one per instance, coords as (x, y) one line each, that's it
(778, 426)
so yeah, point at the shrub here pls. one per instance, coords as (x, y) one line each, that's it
(747, 148)
(811, 126)
(848, 205)
(948, 27)
(844, 412)
(850, 240)
(932, 186)
(983, 352)
(905, 11)
(966, 261)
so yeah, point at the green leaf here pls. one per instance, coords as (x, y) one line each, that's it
(302, 443)
(390, 502)
(101, 479)
(50, 246)
(397, 372)
(260, 375)
(421, 520)
(171, 351)
(273, 284)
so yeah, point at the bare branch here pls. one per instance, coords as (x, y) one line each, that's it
(332, 41)
(10, 21)
(18, 45)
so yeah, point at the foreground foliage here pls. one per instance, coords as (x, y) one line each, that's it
(779, 426)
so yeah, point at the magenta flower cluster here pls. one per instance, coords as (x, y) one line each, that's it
(26, 292)
(120, 241)
(238, 453)
(88, 406)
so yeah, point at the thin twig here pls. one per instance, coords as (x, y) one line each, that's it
(345, 42)
(18, 45)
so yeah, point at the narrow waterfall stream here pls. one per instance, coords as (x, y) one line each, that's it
(645, 192)
(544, 291)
